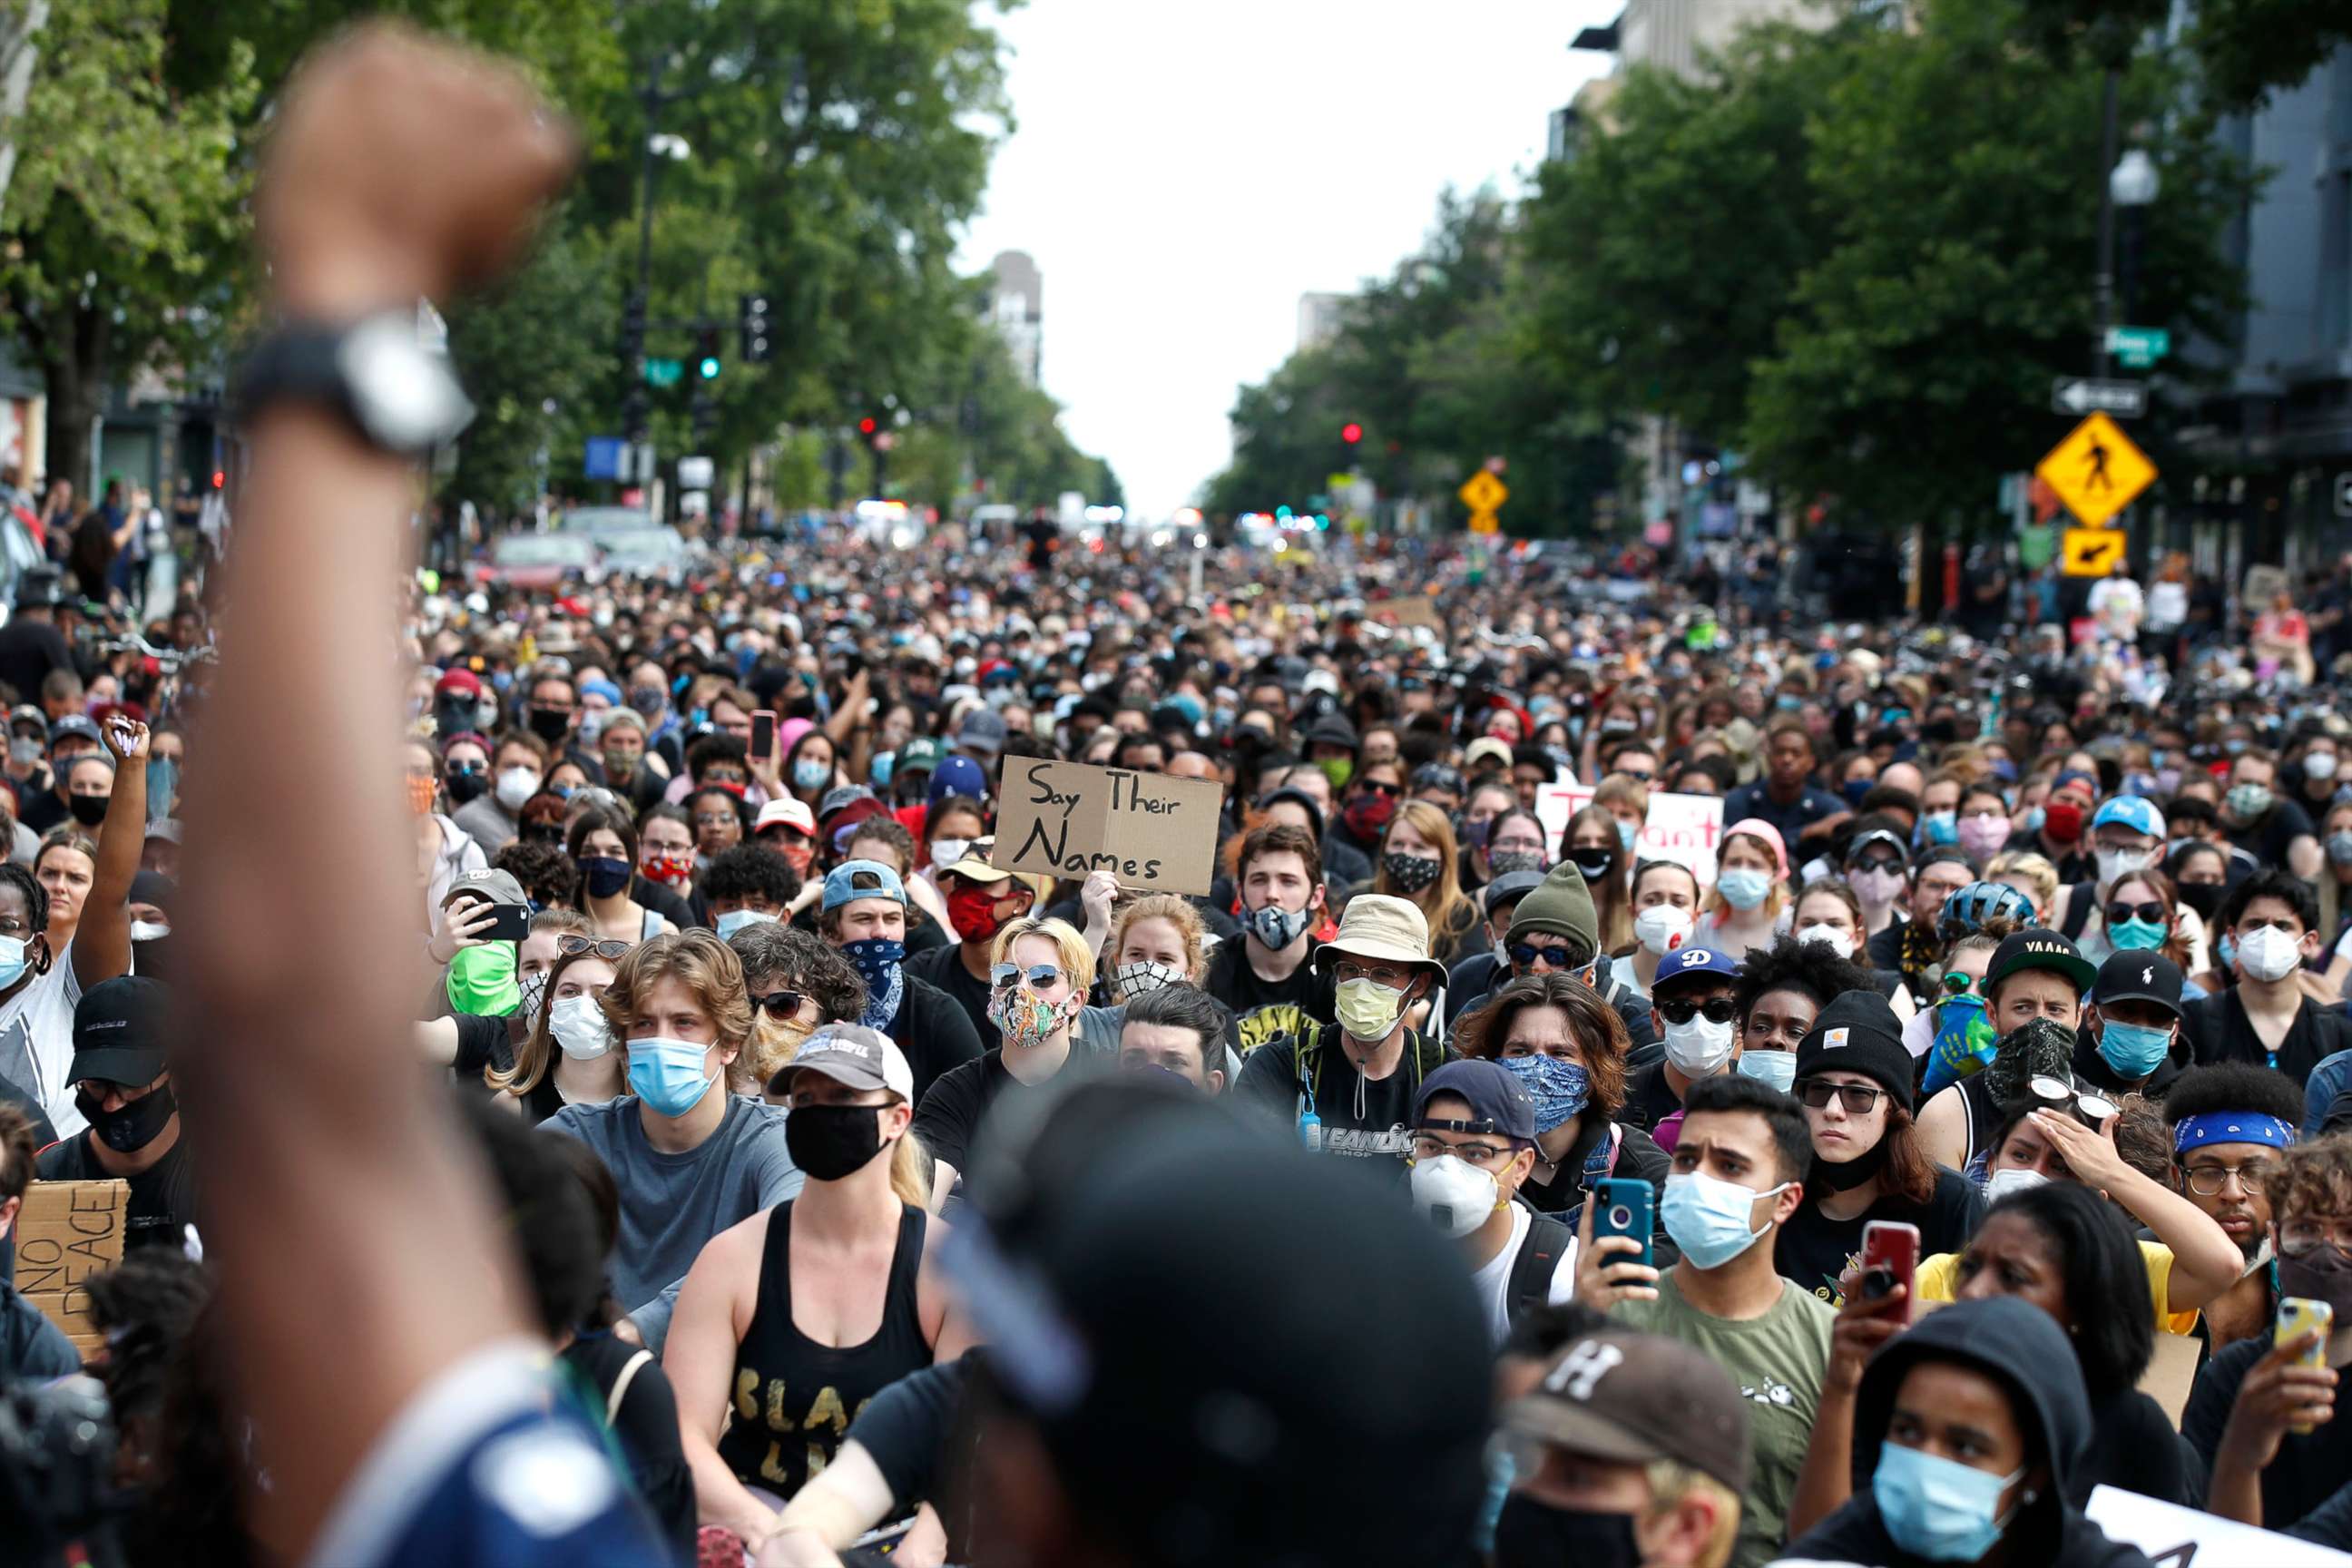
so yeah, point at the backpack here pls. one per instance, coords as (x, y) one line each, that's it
(1529, 1285)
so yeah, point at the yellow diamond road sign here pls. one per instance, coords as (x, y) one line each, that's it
(1485, 522)
(2096, 470)
(1484, 492)
(2091, 552)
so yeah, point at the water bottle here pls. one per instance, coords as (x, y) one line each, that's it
(1310, 1130)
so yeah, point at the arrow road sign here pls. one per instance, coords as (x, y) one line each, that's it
(2079, 394)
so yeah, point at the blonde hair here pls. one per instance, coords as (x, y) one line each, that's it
(910, 1170)
(1774, 901)
(1190, 929)
(697, 960)
(1078, 959)
(2033, 868)
(1442, 901)
(1671, 1482)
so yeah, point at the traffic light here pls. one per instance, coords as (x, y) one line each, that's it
(753, 329)
(1350, 433)
(707, 346)
(633, 330)
(867, 425)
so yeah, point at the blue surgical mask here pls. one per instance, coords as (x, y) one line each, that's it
(1941, 827)
(2133, 1050)
(1560, 1088)
(1778, 1068)
(1940, 1509)
(810, 774)
(667, 1075)
(1626, 834)
(733, 920)
(2137, 936)
(2034, 817)
(1743, 886)
(15, 958)
(1708, 1219)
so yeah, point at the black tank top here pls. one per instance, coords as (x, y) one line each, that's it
(793, 1399)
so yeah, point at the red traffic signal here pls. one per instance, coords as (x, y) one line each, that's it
(865, 426)
(1351, 433)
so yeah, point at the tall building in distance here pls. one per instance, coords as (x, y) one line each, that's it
(1319, 316)
(1018, 312)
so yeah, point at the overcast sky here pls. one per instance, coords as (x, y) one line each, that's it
(1182, 173)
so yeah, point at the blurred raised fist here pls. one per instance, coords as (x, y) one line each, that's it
(402, 168)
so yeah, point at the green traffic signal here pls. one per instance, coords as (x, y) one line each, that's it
(709, 367)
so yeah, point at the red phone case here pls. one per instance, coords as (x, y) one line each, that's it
(1894, 1246)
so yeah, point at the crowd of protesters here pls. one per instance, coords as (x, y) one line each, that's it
(638, 1110)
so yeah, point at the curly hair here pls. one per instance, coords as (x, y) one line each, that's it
(2314, 1178)
(773, 950)
(546, 872)
(1792, 965)
(2233, 1086)
(697, 960)
(1600, 1033)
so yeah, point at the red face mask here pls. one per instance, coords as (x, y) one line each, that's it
(1368, 813)
(2063, 821)
(671, 869)
(972, 913)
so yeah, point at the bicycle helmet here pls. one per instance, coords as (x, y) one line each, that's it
(1966, 911)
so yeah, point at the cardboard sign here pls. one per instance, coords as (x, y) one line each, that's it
(1683, 829)
(2171, 1373)
(1156, 835)
(66, 1232)
(2175, 1537)
(1412, 610)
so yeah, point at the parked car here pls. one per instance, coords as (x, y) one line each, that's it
(537, 560)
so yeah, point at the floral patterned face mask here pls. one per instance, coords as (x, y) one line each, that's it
(1027, 1019)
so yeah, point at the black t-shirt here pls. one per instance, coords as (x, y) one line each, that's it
(933, 1033)
(1814, 1249)
(2219, 1029)
(1361, 1116)
(943, 967)
(163, 1197)
(2310, 1469)
(663, 901)
(646, 1427)
(43, 811)
(484, 1041)
(1262, 1008)
(2133, 1447)
(953, 1113)
(1649, 1098)
(907, 1427)
(2267, 840)
(29, 650)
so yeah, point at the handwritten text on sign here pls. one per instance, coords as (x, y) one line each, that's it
(67, 1233)
(1683, 829)
(1065, 819)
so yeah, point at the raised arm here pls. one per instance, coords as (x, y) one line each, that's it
(102, 944)
(345, 1209)
(2205, 1261)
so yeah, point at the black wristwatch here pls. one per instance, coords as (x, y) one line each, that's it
(373, 373)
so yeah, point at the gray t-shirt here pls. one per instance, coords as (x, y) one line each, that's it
(672, 1204)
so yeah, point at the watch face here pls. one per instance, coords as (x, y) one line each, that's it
(407, 398)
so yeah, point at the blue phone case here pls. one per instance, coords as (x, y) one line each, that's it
(1621, 1207)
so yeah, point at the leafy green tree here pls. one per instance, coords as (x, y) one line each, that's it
(1913, 360)
(2243, 50)
(543, 338)
(126, 227)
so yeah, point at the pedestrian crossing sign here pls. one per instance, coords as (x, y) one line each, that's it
(2096, 470)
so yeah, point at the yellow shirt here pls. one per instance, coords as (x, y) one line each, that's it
(1937, 1274)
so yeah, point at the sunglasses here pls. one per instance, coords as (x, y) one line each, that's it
(609, 950)
(1389, 790)
(1682, 1010)
(1879, 863)
(1857, 1098)
(1959, 985)
(1643, 775)
(779, 1004)
(1527, 955)
(1038, 976)
(2152, 912)
(2056, 1091)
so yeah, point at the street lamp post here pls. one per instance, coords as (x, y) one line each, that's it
(2133, 187)
(2103, 285)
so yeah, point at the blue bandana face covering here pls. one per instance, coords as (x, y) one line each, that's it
(1560, 1088)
